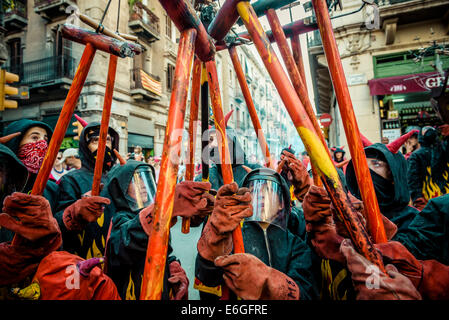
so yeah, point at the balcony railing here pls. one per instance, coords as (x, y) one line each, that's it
(16, 8)
(51, 9)
(45, 71)
(145, 86)
(15, 16)
(381, 3)
(144, 22)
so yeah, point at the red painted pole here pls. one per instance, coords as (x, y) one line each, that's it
(153, 276)
(64, 120)
(193, 126)
(317, 152)
(104, 126)
(222, 23)
(226, 167)
(100, 41)
(250, 104)
(295, 28)
(296, 79)
(185, 17)
(297, 55)
(373, 215)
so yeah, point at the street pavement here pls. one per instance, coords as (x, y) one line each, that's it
(184, 248)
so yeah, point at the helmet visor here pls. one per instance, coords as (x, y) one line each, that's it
(268, 203)
(141, 189)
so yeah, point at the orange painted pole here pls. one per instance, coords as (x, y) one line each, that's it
(156, 257)
(297, 55)
(104, 126)
(250, 104)
(226, 167)
(373, 215)
(296, 78)
(193, 126)
(315, 148)
(64, 119)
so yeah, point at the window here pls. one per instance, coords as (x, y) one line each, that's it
(168, 29)
(15, 52)
(170, 76)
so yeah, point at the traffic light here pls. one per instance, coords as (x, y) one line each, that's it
(78, 130)
(6, 77)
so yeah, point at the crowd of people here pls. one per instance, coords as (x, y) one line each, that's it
(296, 246)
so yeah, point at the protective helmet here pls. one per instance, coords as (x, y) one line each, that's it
(141, 189)
(271, 197)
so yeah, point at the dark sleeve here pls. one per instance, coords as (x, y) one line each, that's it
(415, 176)
(297, 223)
(51, 193)
(427, 235)
(128, 241)
(300, 269)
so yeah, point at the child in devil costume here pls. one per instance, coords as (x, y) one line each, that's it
(276, 263)
(84, 219)
(132, 189)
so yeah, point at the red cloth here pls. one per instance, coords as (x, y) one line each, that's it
(59, 279)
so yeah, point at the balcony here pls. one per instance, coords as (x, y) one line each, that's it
(410, 11)
(47, 79)
(144, 23)
(145, 87)
(53, 9)
(16, 16)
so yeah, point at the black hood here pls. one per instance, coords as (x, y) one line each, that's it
(389, 202)
(118, 181)
(18, 181)
(86, 157)
(22, 126)
(238, 156)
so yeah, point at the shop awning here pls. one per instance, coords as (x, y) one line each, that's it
(145, 142)
(406, 83)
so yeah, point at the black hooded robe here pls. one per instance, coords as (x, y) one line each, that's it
(91, 241)
(128, 242)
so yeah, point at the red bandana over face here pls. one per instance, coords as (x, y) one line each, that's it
(32, 155)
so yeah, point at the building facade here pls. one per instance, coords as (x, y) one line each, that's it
(47, 63)
(393, 55)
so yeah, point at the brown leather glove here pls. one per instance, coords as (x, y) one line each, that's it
(29, 216)
(297, 174)
(232, 205)
(320, 225)
(420, 203)
(430, 277)
(36, 235)
(372, 284)
(83, 211)
(251, 279)
(444, 129)
(390, 227)
(192, 199)
(179, 281)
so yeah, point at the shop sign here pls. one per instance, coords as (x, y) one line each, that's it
(393, 114)
(355, 79)
(391, 134)
(407, 83)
